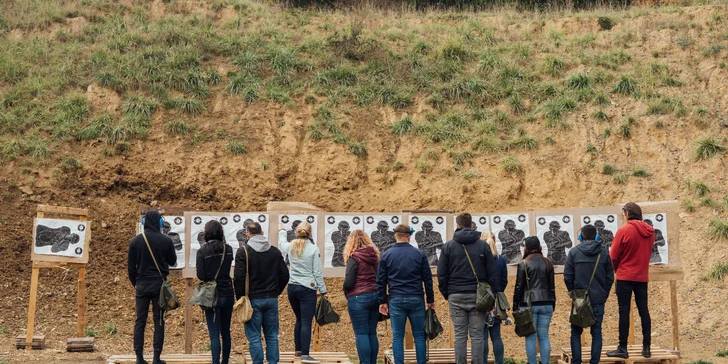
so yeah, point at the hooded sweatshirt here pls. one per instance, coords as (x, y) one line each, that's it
(361, 272)
(454, 272)
(266, 267)
(631, 250)
(580, 265)
(140, 264)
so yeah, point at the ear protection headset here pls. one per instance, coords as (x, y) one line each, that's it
(410, 231)
(161, 222)
(581, 239)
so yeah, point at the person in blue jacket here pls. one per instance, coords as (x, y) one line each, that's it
(492, 324)
(404, 272)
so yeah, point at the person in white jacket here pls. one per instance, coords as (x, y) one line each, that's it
(306, 278)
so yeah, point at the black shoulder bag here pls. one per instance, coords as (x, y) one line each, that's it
(523, 319)
(581, 310)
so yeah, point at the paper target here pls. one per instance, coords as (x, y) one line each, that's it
(510, 232)
(556, 233)
(660, 248)
(174, 228)
(380, 229)
(429, 235)
(290, 222)
(606, 226)
(239, 222)
(338, 228)
(59, 237)
(481, 222)
(197, 233)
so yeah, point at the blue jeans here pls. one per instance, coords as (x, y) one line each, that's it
(265, 315)
(218, 324)
(596, 333)
(364, 314)
(401, 309)
(303, 303)
(495, 336)
(542, 318)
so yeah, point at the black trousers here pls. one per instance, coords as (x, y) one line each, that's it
(146, 293)
(624, 291)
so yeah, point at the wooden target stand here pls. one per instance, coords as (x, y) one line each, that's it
(79, 343)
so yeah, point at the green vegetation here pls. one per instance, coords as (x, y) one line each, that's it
(708, 147)
(590, 148)
(620, 178)
(423, 166)
(511, 165)
(4, 330)
(640, 173)
(688, 205)
(179, 127)
(699, 188)
(605, 23)
(90, 332)
(111, 328)
(358, 149)
(608, 169)
(70, 164)
(236, 147)
(722, 353)
(718, 229)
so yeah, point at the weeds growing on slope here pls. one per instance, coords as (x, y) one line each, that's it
(708, 147)
(718, 229)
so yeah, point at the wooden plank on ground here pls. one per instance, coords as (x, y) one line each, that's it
(323, 357)
(38, 342)
(80, 344)
(169, 358)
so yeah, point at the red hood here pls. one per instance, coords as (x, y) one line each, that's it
(643, 228)
(366, 255)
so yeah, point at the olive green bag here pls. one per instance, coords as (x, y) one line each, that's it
(581, 310)
(484, 297)
(523, 319)
(205, 293)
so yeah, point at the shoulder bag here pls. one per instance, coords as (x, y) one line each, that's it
(523, 319)
(167, 299)
(243, 310)
(484, 298)
(581, 310)
(205, 293)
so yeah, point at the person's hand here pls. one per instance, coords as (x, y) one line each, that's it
(431, 305)
(384, 309)
(281, 227)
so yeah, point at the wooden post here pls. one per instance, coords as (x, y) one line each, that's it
(31, 307)
(675, 319)
(316, 337)
(188, 316)
(81, 301)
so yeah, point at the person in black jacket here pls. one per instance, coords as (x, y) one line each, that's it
(146, 276)
(465, 261)
(540, 284)
(214, 260)
(580, 264)
(268, 276)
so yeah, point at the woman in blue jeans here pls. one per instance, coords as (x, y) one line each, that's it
(213, 264)
(306, 278)
(535, 286)
(493, 325)
(360, 288)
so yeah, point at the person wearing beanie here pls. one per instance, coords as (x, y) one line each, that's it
(147, 280)
(588, 266)
(540, 284)
(630, 254)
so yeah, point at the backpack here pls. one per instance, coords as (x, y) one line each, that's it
(581, 310)
(484, 298)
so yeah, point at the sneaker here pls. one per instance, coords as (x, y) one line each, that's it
(309, 360)
(621, 352)
(646, 351)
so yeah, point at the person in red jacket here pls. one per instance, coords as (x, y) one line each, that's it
(630, 253)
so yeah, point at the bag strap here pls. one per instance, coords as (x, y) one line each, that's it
(222, 260)
(528, 284)
(471, 263)
(593, 273)
(247, 270)
(152, 253)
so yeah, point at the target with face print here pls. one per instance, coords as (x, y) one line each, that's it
(174, 228)
(56, 237)
(510, 232)
(380, 228)
(606, 226)
(337, 230)
(429, 236)
(556, 233)
(240, 221)
(481, 222)
(197, 233)
(660, 247)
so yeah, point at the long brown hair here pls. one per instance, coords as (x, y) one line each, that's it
(358, 239)
(303, 233)
(489, 238)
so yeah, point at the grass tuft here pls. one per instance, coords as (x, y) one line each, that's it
(179, 127)
(402, 126)
(620, 178)
(626, 85)
(708, 147)
(605, 23)
(511, 165)
(358, 149)
(138, 106)
(722, 353)
(608, 169)
(718, 229)
(423, 166)
(640, 173)
(236, 147)
(579, 81)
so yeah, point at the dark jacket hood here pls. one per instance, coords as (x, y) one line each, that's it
(589, 247)
(466, 236)
(366, 255)
(643, 228)
(151, 220)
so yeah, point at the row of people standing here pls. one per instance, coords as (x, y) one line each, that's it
(398, 284)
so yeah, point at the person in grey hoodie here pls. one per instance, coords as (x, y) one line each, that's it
(268, 278)
(580, 265)
(306, 278)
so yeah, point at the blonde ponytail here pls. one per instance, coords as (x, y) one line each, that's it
(489, 238)
(303, 233)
